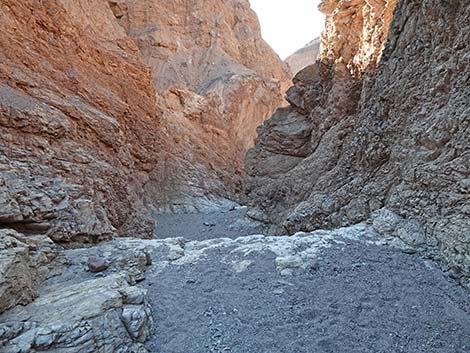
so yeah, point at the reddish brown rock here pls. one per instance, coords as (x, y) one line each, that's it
(77, 117)
(96, 264)
(219, 81)
(87, 144)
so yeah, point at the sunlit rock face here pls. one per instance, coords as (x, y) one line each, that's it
(380, 121)
(219, 81)
(78, 122)
(192, 43)
(305, 56)
(109, 109)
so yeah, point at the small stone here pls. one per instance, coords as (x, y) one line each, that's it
(409, 251)
(286, 272)
(289, 262)
(175, 254)
(133, 295)
(96, 264)
(454, 274)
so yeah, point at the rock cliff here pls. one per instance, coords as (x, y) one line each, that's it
(305, 56)
(78, 122)
(219, 81)
(377, 128)
(111, 109)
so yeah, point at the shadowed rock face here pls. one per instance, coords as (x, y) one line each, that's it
(305, 56)
(93, 132)
(383, 128)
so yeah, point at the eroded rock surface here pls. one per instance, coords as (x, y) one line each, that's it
(219, 81)
(111, 108)
(80, 311)
(359, 288)
(98, 315)
(72, 124)
(351, 289)
(384, 117)
(305, 56)
(24, 263)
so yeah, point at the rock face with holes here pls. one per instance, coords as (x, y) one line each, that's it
(380, 121)
(305, 56)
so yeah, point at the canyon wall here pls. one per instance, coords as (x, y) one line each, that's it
(111, 110)
(377, 128)
(78, 122)
(304, 57)
(218, 80)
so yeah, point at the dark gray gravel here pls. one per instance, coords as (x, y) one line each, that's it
(360, 298)
(200, 226)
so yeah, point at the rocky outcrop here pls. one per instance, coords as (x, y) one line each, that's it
(378, 123)
(80, 311)
(76, 133)
(219, 81)
(195, 44)
(305, 56)
(98, 315)
(102, 121)
(198, 289)
(24, 262)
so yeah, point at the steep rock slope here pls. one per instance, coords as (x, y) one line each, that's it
(78, 122)
(305, 56)
(219, 79)
(372, 131)
(88, 145)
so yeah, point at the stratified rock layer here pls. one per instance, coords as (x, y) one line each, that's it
(98, 315)
(369, 129)
(80, 311)
(73, 126)
(88, 146)
(305, 56)
(219, 81)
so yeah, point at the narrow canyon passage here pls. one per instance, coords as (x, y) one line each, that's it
(132, 131)
(327, 291)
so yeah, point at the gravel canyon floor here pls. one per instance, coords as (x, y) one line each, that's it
(214, 284)
(114, 111)
(329, 291)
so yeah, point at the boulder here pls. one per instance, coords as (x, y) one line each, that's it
(98, 315)
(24, 262)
